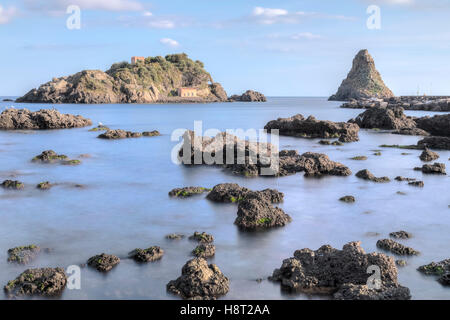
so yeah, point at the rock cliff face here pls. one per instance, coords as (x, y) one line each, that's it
(363, 81)
(154, 80)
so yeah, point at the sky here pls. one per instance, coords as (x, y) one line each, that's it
(280, 48)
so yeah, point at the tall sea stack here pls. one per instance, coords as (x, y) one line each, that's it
(363, 81)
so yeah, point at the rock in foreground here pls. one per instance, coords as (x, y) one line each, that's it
(199, 281)
(342, 273)
(103, 262)
(43, 282)
(204, 250)
(24, 119)
(384, 118)
(441, 269)
(298, 126)
(147, 255)
(363, 81)
(395, 247)
(232, 192)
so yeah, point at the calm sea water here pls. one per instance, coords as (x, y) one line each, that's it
(124, 204)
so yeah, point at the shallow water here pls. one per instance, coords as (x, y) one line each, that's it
(124, 203)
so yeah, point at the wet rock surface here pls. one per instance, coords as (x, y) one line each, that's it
(440, 269)
(232, 192)
(204, 250)
(24, 119)
(400, 235)
(187, 191)
(342, 273)
(298, 126)
(384, 118)
(395, 247)
(435, 168)
(103, 262)
(151, 254)
(428, 155)
(119, 134)
(199, 281)
(367, 175)
(42, 282)
(202, 237)
(49, 156)
(257, 212)
(23, 254)
(12, 184)
(249, 96)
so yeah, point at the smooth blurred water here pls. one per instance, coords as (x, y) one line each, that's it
(124, 202)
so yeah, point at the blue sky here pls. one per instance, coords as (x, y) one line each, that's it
(281, 48)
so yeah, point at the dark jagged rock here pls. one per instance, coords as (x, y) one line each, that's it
(156, 79)
(42, 282)
(44, 185)
(12, 184)
(103, 262)
(204, 250)
(363, 81)
(49, 156)
(249, 96)
(119, 134)
(147, 255)
(317, 164)
(339, 272)
(400, 178)
(202, 237)
(438, 125)
(298, 126)
(153, 133)
(175, 236)
(199, 281)
(395, 247)
(428, 155)
(367, 175)
(442, 143)
(384, 118)
(400, 235)
(23, 254)
(440, 269)
(232, 192)
(187, 191)
(256, 212)
(24, 119)
(419, 184)
(348, 199)
(435, 168)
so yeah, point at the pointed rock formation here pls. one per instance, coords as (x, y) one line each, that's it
(363, 81)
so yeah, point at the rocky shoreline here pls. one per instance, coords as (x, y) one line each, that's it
(424, 103)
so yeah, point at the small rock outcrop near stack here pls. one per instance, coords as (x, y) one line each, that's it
(249, 96)
(199, 281)
(363, 81)
(298, 126)
(341, 273)
(24, 119)
(384, 118)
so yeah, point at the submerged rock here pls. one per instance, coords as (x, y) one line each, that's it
(384, 118)
(119, 134)
(232, 192)
(204, 250)
(49, 156)
(435, 168)
(42, 281)
(428, 155)
(367, 175)
(400, 178)
(401, 263)
(175, 236)
(187, 191)
(202, 237)
(100, 128)
(256, 211)
(12, 184)
(359, 158)
(44, 185)
(298, 126)
(400, 235)
(363, 81)
(343, 273)
(147, 255)
(103, 262)
(249, 96)
(23, 254)
(395, 247)
(348, 199)
(419, 184)
(25, 119)
(199, 281)
(442, 143)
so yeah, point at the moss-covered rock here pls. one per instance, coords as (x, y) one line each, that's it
(103, 262)
(147, 255)
(23, 254)
(42, 281)
(12, 184)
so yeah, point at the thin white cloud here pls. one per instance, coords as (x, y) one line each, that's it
(7, 14)
(305, 35)
(160, 24)
(56, 6)
(147, 14)
(169, 42)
